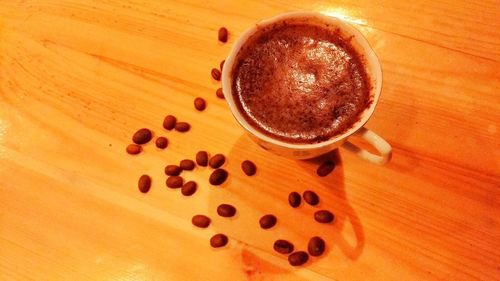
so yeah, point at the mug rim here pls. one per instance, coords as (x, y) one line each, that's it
(367, 52)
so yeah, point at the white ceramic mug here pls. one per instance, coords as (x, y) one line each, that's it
(305, 151)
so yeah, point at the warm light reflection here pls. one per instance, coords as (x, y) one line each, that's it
(343, 14)
(137, 272)
(3, 130)
(3, 134)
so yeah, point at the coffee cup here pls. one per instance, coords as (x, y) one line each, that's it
(311, 150)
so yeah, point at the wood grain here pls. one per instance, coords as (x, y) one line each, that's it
(77, 78)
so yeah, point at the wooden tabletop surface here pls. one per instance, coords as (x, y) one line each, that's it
(78, 77)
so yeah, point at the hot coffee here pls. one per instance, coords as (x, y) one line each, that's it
(300, 82)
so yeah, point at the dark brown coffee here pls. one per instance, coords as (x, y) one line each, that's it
(226, 210)
(218, 240)
(248, 167)
(217, 160)
(267, 221)
(325, 168)
(300, 82)
(144, 183)
(298, 258)
(161, 142)
(218, 177)
(316, 246)
(283, 246)
(311, 197)
(202, 158)
(294, 199)
(134, 149)
(201, 221)
(142, 136)
(189, 188)
(187, 165)
(324, 216)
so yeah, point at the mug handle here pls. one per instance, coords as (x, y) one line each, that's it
(383, 147)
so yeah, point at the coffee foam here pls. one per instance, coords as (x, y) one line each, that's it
(300, 82)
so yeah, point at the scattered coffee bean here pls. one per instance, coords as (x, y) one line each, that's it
(267, 221)
(173, 170)
(298, 258)
(187, 165)
(223, 34)
(248, 167)
(161, 142)
(142, 136)
(325, 168)
(226, 210)
(217, 160)
(144, 183)
(311, 197)
(182, 126)
(222, 64)
(201, 221)
(294, 199)
(189, 188)
(218, 240)
(216, 74)
(324, 216)
(134, 149)
(200, 104)
(169, 122)
(175, 181)
(283, 246)
(202, 158)
(316, 246)
(218, 177)
(219, 93)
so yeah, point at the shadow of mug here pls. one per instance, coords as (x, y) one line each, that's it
(333, 191)
(267, 193)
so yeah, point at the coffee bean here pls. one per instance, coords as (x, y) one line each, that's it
(200, 104)
(219, 93)
(283, 246)
(217, 160)
(202, 158)
(248, 167)
(216, 74)
(201, 221)
(182, 126)
(267, 221)
(222, 64)
(187, 165)
(218, 240)
(226, 210)
(173, 170)
(142, 136)
(325, 168)
(311, 197)
(316, 246)
(218, 177)
(161, 142)
(144, 183)
(189, 188)
(174, 181)
(298, 258)
(169, 122)
(294, 199)
(223, 34)
(324, 216)
(134, 149)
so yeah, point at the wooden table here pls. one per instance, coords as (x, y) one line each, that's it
(77, 78)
